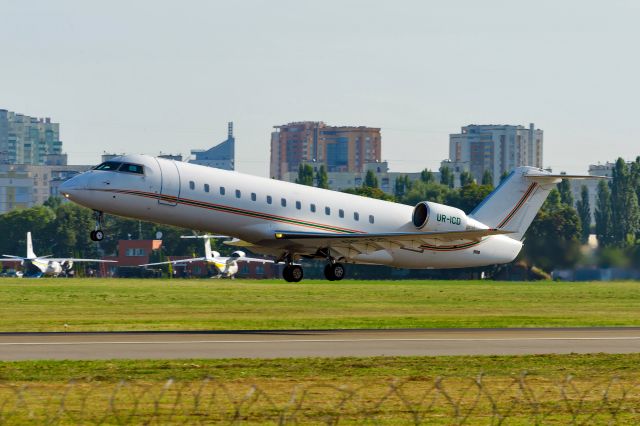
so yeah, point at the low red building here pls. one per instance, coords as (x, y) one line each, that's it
(130, 253)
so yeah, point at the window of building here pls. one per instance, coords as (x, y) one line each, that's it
(253, 196)
(134, 252)
(222, 191)
(206, 187)
(356, 216)
(238, 193)
(259, 269)
(192, 185)
(312, 207)
(371, 219)
(341, 213)
(327, 210)
(269, 199)
(298, 205)
(283, 202)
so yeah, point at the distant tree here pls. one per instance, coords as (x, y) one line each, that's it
(566, 196)
(487, 177)
(466, 178)
(370, 192)
(421, 191)
(426, 176)
(504, 175)
(603, 215)
(446, 176)
(321, 177)
(402, 185)
(467, 197)
(53, 202)
(305, 175)
(624, 205)
(584, 213)
(370, 180)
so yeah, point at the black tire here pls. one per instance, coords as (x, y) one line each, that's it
(92, 235)
(334, 271)
(338, 271)
(296, 273)
(286, 274)
(98, 234)
(328, 273)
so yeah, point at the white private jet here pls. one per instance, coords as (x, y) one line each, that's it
(291, 221)
(37, 266)
(227, 266)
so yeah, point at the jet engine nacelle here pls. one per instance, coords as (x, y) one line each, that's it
(53, 268)
(428, 216)
(67, 265)
(238, 254)
(215, 254)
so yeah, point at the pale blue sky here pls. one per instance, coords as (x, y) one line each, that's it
(150, 76)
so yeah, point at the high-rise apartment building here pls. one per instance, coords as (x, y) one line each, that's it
(29, 140)
(339, 148)
(221, 156)
(497, 148)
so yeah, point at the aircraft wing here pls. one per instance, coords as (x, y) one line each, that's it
(12, 257)
(366, 243)
(176, 262)
(243, 259)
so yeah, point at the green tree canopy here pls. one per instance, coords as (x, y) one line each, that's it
(603, 215)
(305, 175)
(466, 178)
(446, 176)
(584, 213)
(370, 180)
(487, 177)
(321, 177)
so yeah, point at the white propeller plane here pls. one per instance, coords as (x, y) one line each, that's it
(227, 266)
(291, 221)
(37, 266)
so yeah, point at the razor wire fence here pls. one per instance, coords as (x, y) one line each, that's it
(450, 401)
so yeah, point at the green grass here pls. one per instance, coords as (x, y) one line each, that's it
(111, 304)
(381, 390)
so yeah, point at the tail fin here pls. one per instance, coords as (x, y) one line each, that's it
(207, 247)
(515, 202)
(30, 253)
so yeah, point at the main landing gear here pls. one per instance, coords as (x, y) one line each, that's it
(97, 234)
(292, 273)
(334, 271)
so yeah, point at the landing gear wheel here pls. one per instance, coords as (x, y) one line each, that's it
(98, 235)
(92, 235)
(334, 271)
(292, 273)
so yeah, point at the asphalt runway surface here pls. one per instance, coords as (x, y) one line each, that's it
(316, 343)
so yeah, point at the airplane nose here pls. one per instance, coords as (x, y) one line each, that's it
(72, 186)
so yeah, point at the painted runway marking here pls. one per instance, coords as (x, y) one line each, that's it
(517, 339)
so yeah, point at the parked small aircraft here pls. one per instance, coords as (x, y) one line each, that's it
(290, 221)
(227, 267)
(37, 266)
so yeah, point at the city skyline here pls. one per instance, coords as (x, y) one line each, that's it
(165, 77)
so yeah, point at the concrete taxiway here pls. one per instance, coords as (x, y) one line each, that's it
(316, 343)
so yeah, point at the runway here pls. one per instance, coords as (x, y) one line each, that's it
(316, 343)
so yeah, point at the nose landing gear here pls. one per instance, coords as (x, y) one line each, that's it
(97, 234)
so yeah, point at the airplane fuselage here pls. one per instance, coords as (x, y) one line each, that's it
(253, 209)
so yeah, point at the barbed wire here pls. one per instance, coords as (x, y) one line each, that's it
(524, 399)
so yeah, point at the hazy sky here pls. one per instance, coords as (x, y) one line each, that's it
(151, 76)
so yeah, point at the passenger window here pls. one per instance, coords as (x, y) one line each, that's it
(269, 199)
(356, 216)
(312, 207)
(371, 219)
(253, 196)
(222, 190)
(206, 187)
(341, 213)
(327, 210)
(283, 202)
(238, 193)
(298, 205)
(192, 185)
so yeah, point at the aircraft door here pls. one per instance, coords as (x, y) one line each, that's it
(169, 183)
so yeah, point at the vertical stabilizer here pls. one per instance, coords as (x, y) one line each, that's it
(207, 247)
(515, 202)
(30, 253)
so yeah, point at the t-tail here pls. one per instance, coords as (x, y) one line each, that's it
(30, 253)
(515, 202)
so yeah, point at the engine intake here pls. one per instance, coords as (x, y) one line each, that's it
(438, 217)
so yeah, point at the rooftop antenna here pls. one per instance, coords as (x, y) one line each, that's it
(230, 129)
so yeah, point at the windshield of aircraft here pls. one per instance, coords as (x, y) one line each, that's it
(116, 166)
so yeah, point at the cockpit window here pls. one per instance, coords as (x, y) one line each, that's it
(108, 165)
(131, 168)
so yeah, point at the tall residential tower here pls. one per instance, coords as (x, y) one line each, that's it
(29, 140)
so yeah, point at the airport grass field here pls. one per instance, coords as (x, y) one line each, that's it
(129, 304)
